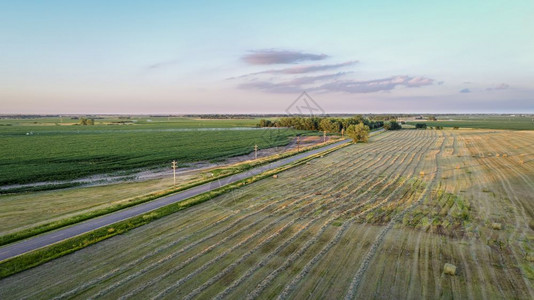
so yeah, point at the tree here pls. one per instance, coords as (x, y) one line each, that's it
(392, 125)
(358, 133)
(420, 126)
(85, 121)
(265, 123)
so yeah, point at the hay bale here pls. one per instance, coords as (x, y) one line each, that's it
(505, 155)
(422, 173)
(275, 176)
(497, 155)
(449, 269)
(457, 166)
(496, 226)
(318, 193)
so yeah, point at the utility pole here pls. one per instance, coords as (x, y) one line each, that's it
(255, 151)
(324, 136)
(174, 171)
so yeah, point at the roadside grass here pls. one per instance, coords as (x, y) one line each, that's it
(40, 256)
(299, 234)
(118, 204)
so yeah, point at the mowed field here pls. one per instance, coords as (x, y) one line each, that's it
(376, 220)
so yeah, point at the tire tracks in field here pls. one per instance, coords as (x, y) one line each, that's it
(228, 269)
(161, 249)
(270, 278)
(292, 285)
(153, 253)
(152, 281)
(484, 216)
(250, 272)
(353, 289)
(521, 225)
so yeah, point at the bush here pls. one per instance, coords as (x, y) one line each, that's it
(393, 125)
(358, 133)
(420, 126)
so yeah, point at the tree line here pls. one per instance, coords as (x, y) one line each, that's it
(328, 124)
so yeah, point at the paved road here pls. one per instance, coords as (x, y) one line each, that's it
(52, 237)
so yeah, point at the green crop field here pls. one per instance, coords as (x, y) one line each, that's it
(482, 122)
(49, 149)
(412, 214)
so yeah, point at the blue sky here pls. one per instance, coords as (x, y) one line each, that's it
(257, 56)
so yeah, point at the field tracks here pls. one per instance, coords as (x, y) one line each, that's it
(353, 288)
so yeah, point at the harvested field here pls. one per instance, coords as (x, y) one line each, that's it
(376, 220)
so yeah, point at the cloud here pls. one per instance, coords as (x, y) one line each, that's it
(271, 56)
(465, 91)
(376, 85)
(306, 69)
(333, 84)
(290, 86)
(502, 86)
(270, 87)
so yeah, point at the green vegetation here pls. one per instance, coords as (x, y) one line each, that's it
(358, 133)
(420, 126)
(85, 121)
(347, 224)
(35, 150)
(118, 203)
(511, 122)
(40, 256)
(331, 125)
(392, 125)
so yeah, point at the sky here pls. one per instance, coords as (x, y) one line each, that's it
(183, 57)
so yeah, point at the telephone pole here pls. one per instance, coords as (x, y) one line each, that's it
(255, 151)
(324, 136)
(174, 171)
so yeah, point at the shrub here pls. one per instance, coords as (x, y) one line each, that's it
(358, 133)
(420, 126)
(393, 125)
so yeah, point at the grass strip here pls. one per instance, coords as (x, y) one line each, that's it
(217, 174)
(40, 256)
(39, 188)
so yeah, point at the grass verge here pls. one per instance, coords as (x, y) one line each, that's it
(40, 256)
(218, 173)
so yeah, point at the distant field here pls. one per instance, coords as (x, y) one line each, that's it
(35, 150)
(377, 220)
(482, 122)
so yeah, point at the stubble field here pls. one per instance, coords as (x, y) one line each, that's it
(375, 220)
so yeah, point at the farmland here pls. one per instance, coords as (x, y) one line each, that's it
(482, 122)
(377, 219)
(47, 150)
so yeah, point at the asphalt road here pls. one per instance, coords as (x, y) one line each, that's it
(61, 234)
